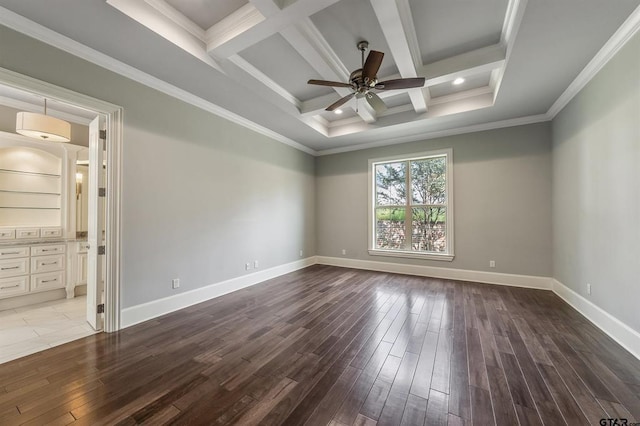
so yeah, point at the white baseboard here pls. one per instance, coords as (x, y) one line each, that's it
(146, 311)
(627, 337)
(616, 329)
(528, 281)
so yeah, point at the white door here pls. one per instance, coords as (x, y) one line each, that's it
(96, 236)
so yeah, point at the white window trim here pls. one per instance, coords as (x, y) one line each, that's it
(449, 255)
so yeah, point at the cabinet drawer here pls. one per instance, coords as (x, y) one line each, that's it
(50, 232)
(47, 250)
(13, 267)
(11, 252)
(27, 233)
(48, 281)
(7, 234)
(14, 286)
(47, 263)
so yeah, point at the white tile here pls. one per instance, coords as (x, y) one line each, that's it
(11, 322)
(33, 344)
(31, 329)
(16, 334)
(7, 312)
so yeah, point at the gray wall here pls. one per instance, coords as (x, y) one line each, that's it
(596, 188)
(502, 194)
(201, 195)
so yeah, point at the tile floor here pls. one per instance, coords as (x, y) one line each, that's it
(34, 328)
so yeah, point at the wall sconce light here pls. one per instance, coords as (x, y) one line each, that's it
(78, 185)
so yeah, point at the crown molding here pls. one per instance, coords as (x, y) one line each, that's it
(520, 121)
(32, 29)
(627, 30)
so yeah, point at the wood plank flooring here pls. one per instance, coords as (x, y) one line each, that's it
(336, 346)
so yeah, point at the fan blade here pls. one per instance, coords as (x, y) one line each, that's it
(372, 65)
(329, 83)
(339, 102)
(376, 103)
(401, 83)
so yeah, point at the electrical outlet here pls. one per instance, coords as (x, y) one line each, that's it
(255, 264)
(175, 283)
(492, 264)
(588, 289)
(300, 253)
(247, 266)
(344, 251)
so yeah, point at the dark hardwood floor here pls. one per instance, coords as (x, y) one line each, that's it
(337, 346)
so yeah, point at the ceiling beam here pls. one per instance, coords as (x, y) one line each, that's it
(397, 25)
(261, 85)
(268, 8)
(464, 65)
(510, 28)
(312, 46)
(168, 23)
(234, 36)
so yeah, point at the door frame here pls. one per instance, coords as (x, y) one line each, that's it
(113, 222)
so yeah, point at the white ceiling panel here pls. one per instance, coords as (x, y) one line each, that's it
(450, 27)
(206, 13)
(397, 100)
(276, 58)
(331, 116)
(346, 23)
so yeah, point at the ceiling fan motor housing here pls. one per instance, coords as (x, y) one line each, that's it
(358, 82)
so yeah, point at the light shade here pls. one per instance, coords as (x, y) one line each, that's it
(43, 127)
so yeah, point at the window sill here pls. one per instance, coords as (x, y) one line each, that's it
(412, 255)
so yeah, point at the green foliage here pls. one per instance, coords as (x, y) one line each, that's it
(390, 214)
(427, 182)
(390, 184)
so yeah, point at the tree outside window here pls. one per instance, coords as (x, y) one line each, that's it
(410, 205)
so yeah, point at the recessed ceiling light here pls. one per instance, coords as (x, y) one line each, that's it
(338, 111)
(458, 80)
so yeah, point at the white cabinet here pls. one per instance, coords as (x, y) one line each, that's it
(77, 269)
(50, 281)
(47, 250)
(81, 269)
(7, 234)
(14, 286)
(13, 267)
(50, 232)
(47, 263)
(31, 268)
(12, 252)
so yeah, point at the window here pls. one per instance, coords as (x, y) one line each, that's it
(410, 208)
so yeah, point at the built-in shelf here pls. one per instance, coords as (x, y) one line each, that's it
(29, 192)
(31, 187)
(22, 172)
(30, 208)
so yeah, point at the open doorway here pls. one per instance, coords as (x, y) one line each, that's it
(59, 220)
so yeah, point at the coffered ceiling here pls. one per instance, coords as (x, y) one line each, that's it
(254, 57)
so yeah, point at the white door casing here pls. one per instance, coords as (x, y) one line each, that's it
(95, 283)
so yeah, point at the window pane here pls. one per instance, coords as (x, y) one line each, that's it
(390, 184)
(390, 228)
(429, 229)
(428, 183)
